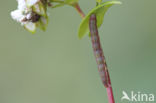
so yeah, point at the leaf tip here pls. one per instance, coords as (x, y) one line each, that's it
(118, 2)
(80, 36)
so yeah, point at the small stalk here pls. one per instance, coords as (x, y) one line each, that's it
(78, 9)
(100, 59)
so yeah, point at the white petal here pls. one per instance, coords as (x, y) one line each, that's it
(31, 2)
(30, 26)
(21, 4)
(28, 16)
(17, 15)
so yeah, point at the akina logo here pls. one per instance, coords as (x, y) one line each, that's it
(138, 97)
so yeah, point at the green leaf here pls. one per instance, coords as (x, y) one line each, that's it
(42, 24)
(31, 27)
(57, 1)
(100, 11)
(40, 9)
(71, 2)
(58, 5)
(64, 2)
(98, 1)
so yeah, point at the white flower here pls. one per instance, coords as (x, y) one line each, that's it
(17, 15)
(21, 4)
(30, 13)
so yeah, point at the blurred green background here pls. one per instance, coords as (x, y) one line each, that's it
(56, 67)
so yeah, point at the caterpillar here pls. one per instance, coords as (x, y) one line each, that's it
(98, 52)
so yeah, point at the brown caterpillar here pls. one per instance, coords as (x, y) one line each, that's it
(98, 52)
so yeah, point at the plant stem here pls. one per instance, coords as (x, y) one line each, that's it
(78, 9)
(100, 59)
(98, 52)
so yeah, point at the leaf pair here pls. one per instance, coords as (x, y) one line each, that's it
(100, 11)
